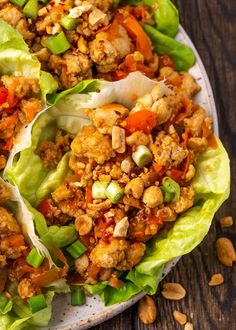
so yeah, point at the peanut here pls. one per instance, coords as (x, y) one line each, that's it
(188, 326)
(147, 311)
(225, 251)
(226, 222)
(173, 291)
(216, 279)
(180, 317)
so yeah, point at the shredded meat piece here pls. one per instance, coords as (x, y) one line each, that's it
(195, 122)
(109, 255)
(70, 200)
(118, 254)
(109, 47)
(133, 256)
(185, 201)
(167, 151)
(197, 144)
(86, 144)
(26, 289)
(52, 152)
(11, 14)
(8, 224)
(22, 86)
(106, 116)
(104, 5)
(4, 193)
(30, 108)
(72, 67)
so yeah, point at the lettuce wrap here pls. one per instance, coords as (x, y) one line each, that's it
(211, 183)
(13, 313)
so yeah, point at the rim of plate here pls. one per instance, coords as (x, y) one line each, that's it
(109, 312)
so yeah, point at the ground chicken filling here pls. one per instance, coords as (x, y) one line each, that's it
(18, 106)
(75, 40)
(17, 268)
(131, 177)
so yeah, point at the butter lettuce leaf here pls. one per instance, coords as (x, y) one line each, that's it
(164, 12)
(182, 55)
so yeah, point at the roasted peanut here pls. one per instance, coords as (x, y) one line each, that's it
(216, 279)
(225, 251)
(226, 222)
(126, 165)
(135, 188)
(180, 317)
(147, 311)
(152, 196)
(137, 138)
(82, 263)
(188, 326)
(173, 291)
(83, 224)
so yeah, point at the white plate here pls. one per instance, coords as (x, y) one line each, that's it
(67, 317)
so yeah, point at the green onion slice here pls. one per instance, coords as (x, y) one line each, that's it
(37, 303)
(34, 258)
(142, 156)
(31, 9)
(19, 3)
(69, 23)
(77, 298)
(114, 192)
(99, 190)
(76, 249)
(171, 190)
(57, 44)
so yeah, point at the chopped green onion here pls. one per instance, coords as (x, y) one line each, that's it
(99, 190)
(114, 192)
(34, 258)
(142, 156)
(77, 298)
(76, 249)
(19, 3)
(45, 1)
(167, 196)
(57, 44)
(69, 23)
(171, 190)
(31, 9)
(36, 303)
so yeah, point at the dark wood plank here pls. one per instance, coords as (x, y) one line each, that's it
(212, 27)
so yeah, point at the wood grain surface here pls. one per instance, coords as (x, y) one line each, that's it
(211, 24)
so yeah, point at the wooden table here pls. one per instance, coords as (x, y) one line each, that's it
(211, 24)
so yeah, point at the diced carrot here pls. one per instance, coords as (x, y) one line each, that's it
(166, 60)
(15, 240)
(143, 120)
(157, 167)
(88, 195)
(176, 175)
(46, 277)
(212, 141)
(136, 32)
